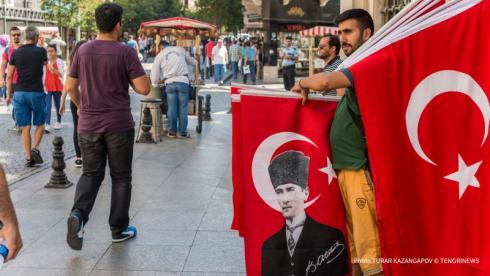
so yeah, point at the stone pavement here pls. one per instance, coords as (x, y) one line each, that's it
(12, 151)
(181, 205)
(12, 154)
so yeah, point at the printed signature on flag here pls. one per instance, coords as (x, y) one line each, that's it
(329, 256)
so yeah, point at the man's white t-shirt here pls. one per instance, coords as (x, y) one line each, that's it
(220, 55)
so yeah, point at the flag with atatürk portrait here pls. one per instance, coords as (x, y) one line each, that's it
(290, 200)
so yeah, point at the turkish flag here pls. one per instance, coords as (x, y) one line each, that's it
(425, 108)
(273, 125)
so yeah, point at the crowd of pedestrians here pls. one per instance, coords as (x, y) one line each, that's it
(105, 128)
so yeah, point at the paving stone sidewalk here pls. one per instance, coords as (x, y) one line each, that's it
(181, 205)
(12, 154)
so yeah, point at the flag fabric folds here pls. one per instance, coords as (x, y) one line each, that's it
(423, 93)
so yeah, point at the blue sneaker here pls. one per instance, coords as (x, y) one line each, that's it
(127, 234)
(74, 236)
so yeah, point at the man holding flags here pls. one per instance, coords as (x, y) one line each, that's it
(349, 151)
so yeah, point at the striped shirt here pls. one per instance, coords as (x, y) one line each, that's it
(330, 67)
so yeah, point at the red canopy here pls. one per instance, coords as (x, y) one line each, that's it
(179, 23)
(319, 31)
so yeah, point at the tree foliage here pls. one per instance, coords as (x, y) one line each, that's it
(226, 14)
(136, 12)
(64, 12)
(87, 15)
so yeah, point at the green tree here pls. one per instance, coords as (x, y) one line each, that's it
(87, 15)
(136, 12)
(226, 14)
(64, 12)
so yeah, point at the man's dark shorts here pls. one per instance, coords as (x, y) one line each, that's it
(30, 108)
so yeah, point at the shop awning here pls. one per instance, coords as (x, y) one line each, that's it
(44, 31)
(179, 23)
(319, 31)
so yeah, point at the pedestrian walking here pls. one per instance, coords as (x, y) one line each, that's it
(209, 58)
(3, 46)
(53, 85)
(74, 112)
(289, 57)
(29, 99)
(170, 68)
(250, 62)
(7, 55)
(103, 69)
(220, 60)
(58, 42)
(235, 56)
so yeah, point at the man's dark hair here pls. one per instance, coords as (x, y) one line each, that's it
(107, 16)
(14, 28)
(361, 16)
(334, 40)
(289, 38)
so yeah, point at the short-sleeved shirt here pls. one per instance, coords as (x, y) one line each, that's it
(347, 132)
(235, 53)
(209, 48)
(291, 52)
(220, 54)
(250, 53)
(6, 57)
(104, 69)
(132, 43)
(330, 67)
(29, 60)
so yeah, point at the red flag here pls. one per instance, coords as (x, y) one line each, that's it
(273, 127)
(425, 108)
(236, 162)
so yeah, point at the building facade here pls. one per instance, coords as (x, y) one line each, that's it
(21, 13)
(380, 10)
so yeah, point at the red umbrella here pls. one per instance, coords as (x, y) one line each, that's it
(179, 23)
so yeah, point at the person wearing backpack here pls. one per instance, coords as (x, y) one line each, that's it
(7, 55)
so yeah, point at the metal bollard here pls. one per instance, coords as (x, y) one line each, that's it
(146, 136)
(207, 109)
(199, 114)
(58, 178)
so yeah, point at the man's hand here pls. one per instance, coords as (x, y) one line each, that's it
(62, 108)
(11, 235)
(9, 100)
(304, 92)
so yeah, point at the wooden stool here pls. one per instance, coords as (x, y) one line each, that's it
(156, 118)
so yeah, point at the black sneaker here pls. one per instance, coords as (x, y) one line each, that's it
(74, 236)
(186, 135)
(29, 163)
(36, 156)
(171, 135)
(78, 163)
(125, 235)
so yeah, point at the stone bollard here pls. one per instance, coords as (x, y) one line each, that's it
(146, 136)
(58, 177)
(199, 114)
(207, 109)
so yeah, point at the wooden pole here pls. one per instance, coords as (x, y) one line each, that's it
(311, 39)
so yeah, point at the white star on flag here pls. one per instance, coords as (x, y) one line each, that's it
(465, 175)
(328, 170)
